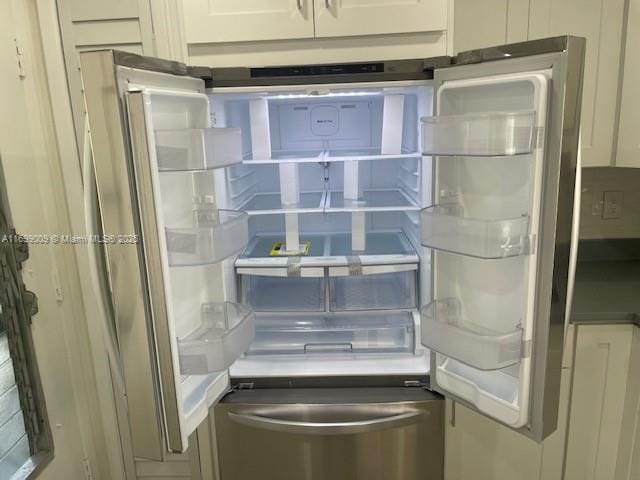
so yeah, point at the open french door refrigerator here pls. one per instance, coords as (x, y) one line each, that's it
(327, 250)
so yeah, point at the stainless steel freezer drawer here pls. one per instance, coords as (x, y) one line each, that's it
(331, 434)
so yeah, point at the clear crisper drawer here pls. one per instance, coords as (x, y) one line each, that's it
(445, 331)
(444, 227)
(383, 291)
(283, 294)
(198, 148)
(224, 334)
(334, 334)
(479, 134)
(218, 238)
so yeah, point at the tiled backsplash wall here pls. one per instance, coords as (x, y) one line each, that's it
(610, 206)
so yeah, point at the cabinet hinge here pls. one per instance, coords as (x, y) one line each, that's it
(19, 58)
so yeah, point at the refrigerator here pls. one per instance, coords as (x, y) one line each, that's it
(316, 255)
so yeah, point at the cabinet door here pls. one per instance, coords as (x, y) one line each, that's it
(628, 154)
(600, 21)
(598, 397)
(221, 21)
(484, 24)
(339, 18)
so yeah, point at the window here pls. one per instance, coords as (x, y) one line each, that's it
(25, 440)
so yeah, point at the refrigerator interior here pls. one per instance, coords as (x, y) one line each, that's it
(337, 174)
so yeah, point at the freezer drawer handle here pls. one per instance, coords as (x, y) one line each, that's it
(328, 428)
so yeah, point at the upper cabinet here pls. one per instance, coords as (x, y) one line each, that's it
(628, 152)
(601, 22)
(488, 23)
(221, 21)
(341, 18)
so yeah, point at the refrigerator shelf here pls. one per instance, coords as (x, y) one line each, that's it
(331, 249)
(379, 200)
(335, 155)
(224, 334)
(479, 134)
(445, 331)
(445, 228)
(226, 234)
(334, 334)
(196, 149)
(270, 204)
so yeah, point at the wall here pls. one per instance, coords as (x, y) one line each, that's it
(32, 164)
(596, 181)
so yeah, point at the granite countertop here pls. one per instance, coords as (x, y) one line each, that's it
(607, 291)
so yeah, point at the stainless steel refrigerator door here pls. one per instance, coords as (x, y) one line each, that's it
(331, 434)
(133, 269)
(562, 60)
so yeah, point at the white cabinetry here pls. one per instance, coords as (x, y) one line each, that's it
(601, 22)
(628, 465)
(488, 23)
(598, 401)
(221, 21)
(340, 18)
(224, 21)
(628, 152)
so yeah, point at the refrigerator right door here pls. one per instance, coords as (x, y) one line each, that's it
(503, 140)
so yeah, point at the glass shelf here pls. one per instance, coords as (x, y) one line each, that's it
(335, 155)
(371, 201)
(197, 149)
(445, 228)
(346, 154)
(479, 134)
(270, 204)
(225, 332)
(223, 235)
(445, 331)
(334, 334)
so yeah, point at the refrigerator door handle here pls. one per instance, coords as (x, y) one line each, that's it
(328, 428)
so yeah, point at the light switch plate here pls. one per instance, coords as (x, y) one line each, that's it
(612, 207)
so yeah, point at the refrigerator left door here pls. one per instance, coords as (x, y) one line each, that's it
(176, 334)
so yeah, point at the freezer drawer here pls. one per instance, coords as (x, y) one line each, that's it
(331, 434)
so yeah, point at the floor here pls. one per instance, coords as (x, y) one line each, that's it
(14, 445)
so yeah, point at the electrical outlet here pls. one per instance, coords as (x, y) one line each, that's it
(612, 207)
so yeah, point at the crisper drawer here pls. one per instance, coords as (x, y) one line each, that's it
(391, 332)
(272, 290)
(369, 290)
(330, 289)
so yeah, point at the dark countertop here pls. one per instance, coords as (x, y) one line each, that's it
(607, 287)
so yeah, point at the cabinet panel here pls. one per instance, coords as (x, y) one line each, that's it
(628, 465)
(628, 153)
(339, 18)
(601, 22)
(488, 23)
(598, 397)
(222, 21)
